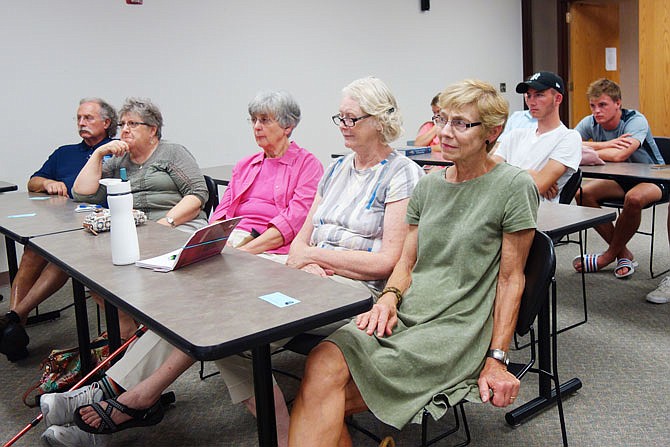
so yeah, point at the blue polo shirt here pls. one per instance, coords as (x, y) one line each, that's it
(64, 163)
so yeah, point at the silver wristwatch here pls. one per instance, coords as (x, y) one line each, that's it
(499, 355)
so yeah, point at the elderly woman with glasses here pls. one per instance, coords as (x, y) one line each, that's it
(452, 298)
(356, 225)
(165, 179)
(272, 190)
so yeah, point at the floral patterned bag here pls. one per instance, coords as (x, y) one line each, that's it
(101, 220)
(62, 369)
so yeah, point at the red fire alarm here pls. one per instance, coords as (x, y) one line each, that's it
(134, 2)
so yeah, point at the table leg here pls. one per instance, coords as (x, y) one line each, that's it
(547, 394)
(81, 316)
(265, 408)
(12, 265)
(112, 324)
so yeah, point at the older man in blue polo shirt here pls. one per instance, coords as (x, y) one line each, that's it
(36, 280)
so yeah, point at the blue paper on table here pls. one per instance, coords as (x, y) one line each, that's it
(413, 150)
(279, 299)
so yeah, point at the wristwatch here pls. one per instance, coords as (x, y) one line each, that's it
(170, 221)
(499, 355)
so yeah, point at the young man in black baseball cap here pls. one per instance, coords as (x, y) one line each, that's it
(549, 151)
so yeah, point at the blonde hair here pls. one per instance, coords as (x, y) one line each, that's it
(604, 86)
(491, 107)
(375, 99)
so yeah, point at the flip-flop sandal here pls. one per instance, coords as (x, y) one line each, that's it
(140, 418)
(589, 263)
(624, 263)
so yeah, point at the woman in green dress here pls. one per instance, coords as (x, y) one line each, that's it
(440, 330)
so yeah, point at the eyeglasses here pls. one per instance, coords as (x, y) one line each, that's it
(264, 121)
(459, 125)
(131, 124)
(346, 121)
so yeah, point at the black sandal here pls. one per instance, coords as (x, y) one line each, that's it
(140, 418)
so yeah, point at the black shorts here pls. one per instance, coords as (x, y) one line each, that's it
(627, 185)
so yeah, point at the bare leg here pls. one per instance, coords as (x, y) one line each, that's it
(617, 236)
(127, 325)
(281, 413)
(629, 220)
(36, 280)
(147, 392)
(326, 394)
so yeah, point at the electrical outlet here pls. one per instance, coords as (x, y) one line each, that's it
(503, 87)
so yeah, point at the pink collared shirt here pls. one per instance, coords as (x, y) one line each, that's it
(288, 185)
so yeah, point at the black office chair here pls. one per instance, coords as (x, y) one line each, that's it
(663, 144)
(571, 187)
(540, 285)
(213, 190)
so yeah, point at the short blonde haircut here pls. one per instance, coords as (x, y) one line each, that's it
(491, 107)
(375, 99)
(604, 86)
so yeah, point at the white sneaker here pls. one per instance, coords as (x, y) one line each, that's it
(661, 294)
(71, 436)
(58, 408)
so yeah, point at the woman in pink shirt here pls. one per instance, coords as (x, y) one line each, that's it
(272, 189)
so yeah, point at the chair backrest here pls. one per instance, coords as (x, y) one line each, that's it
(663, 144)
(539, 271)
(213, 190)
(570, 189)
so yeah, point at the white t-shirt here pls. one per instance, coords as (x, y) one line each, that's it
(526, 149)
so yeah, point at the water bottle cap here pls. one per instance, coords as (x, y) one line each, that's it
(116, 186)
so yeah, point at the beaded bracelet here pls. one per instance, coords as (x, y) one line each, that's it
(396, 291)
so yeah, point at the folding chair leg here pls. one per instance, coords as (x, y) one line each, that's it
(202, 374)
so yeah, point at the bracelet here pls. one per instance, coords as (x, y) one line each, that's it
(396, 291)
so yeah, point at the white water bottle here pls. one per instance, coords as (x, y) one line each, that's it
(125, 247)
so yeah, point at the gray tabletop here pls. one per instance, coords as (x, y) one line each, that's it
(25, 215)
(210, 309)
(432, 159)
(221, 174)
(634, 171)
(6, 186)
(557, 219)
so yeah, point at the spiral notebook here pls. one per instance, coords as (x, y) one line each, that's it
(204, 243)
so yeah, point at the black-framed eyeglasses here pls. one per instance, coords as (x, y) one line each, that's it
(132, 124)
(346, 121)
(459, 125)
(264, 120)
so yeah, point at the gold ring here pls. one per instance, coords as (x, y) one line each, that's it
(512, 398)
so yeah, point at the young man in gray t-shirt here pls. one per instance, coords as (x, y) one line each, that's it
(617, 135)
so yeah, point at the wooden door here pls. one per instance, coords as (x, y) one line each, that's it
(592, 28)
(655, 64)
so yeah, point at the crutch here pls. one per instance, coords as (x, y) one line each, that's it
(112, 356)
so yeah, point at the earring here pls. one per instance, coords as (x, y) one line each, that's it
(487, 142)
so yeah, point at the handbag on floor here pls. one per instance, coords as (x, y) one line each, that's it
(62, 369)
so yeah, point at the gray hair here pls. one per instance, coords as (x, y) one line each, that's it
(107, 112)
(280, 104)
(147, 110)
(375, 99)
